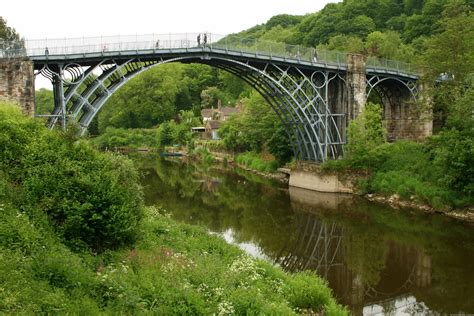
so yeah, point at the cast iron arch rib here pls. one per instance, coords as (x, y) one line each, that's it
(299, 102)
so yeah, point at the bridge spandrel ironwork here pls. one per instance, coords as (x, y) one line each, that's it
(296, 81)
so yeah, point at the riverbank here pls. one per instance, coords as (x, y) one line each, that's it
(172, 269)
(373, 246)
(394, 201)
(204, 153)
(76, 238)
(348, 181)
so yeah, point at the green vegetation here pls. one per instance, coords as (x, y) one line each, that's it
(44, 100)
(175, 132)
(8, 33)
(130, 138)
(254, 161)
(440, 170)
(257, 129)
(91, 198)
(76, 238)
(390, 29)
(159, 94)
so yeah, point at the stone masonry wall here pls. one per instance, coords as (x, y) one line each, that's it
(356, 78)
(17, 83)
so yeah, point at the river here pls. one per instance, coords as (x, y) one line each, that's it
(377, 260)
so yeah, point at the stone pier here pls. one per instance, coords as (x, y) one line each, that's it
(357, 85)
(17, 83)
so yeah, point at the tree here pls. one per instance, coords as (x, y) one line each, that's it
(450, 56)
(145, 101)
(258, 129)
(365, 133)
(44, 99)
(7, 33)
(452, 51)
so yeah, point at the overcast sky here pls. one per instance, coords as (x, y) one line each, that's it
(35, 19)
(39, 19)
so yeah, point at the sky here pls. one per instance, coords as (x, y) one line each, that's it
(35, 19)
(51, 19)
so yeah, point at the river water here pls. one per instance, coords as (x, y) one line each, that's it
(377, 260)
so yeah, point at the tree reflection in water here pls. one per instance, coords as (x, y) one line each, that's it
(375, 259)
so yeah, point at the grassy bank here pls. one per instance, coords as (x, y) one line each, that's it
(254, 161)
(76, 238)
(173, 269)
(130, 138)
(438, 172)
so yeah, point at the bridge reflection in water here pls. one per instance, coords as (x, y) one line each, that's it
(323, 246)
(377, 260)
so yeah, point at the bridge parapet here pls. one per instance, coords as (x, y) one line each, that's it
(45, 48)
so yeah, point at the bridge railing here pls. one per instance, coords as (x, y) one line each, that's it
(100, 44)
(12, 49)
(119, 43)
(394, 65)
(281, 50)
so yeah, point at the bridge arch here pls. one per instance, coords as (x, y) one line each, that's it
(299, 97)
(399, 99)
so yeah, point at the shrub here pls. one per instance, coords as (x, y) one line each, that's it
(254, 161)
(133, 138)
(365, 133)
(92, 198)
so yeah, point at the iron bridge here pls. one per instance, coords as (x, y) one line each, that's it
(307, 88)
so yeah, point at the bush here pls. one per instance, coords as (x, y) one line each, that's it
(255, 162)
(365, 133)
(453, 156)
(92, 198)
(132, 138)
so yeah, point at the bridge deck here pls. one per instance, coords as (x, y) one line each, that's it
(148, 47)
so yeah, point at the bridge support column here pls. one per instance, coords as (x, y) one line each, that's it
(17, 83)
(357, 84)
(59, 104)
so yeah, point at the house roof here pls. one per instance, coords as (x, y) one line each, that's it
(227, 110)
(206, 112)
(214, 124)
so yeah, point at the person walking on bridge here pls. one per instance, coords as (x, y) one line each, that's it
(199, 39)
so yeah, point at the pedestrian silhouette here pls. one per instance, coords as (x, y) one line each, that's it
(205, 38)
(199, 39)
(157, 44)
(46, 51)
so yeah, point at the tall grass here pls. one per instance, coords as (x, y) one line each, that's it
(254, 161)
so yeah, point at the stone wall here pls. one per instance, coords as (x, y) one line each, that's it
(357, 82)
(308, 176)
(405, 121)
(17, 83)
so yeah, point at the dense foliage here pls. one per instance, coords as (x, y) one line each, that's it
(393, 29)
(44, 101)
(92, 198)
(257, 129)
(174, 132)
(159, 94)
(75, 238)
